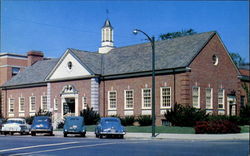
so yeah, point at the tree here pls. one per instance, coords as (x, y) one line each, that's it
(173, 35)
(237, 59)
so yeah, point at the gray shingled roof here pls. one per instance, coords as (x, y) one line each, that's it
(175, 53)
(90, 59)
(33, 74)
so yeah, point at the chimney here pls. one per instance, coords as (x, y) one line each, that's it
(34, 56)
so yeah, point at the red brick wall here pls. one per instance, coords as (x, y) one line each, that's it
(82, 86)
(26, 93)
(204, 72)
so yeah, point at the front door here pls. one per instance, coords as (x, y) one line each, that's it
(231, 103)
(69, 107)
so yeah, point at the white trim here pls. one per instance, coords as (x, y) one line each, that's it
(125, 100)
(31, 105)
(84, 100)
(56, 101)
(46, 102)
(14, 57)
(163, 107)
(142, 98)
(211, 100)
(12, 66)
(19, 104)
(109, 100)
(9, 105)
(223, 98)
(198, 97)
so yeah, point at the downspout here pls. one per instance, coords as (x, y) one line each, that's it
(104, 100)
(6, 103)
(174, 89)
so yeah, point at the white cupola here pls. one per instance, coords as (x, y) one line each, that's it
(107, 38)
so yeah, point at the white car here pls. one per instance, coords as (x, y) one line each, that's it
(16, 125)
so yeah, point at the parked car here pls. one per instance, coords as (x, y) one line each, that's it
(41, 124)
(74, 125)
(15, 125)
(1, 124)
(109, 126)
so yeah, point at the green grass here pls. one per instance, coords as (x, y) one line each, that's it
(162, 129)
(244, 129)
(147, 129)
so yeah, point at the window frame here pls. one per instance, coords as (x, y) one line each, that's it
(170, 99)
(125, 100)
(56, 104)
(143, 98)
(211, 98)
(9, 103)
(19, 104)
(198, 104)
(46, 102)
(30, 104)
(84, 101)
(109, 108)
(223, 98)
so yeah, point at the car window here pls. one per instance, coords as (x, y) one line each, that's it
(16, 121)
(107, 121)
(42, 120)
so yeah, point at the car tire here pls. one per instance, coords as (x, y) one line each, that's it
(83, 134)
(122, 136)
(5, 133)
(11, 133)
(65, 134)
(96, 135)
(51, 133)
(100, 136)
(33, 134)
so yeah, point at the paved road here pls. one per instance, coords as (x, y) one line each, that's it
(77, 146)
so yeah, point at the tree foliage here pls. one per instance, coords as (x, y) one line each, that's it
(90, 116)
(237, 59)
(173, 35)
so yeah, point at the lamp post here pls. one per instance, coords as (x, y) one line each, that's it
(152, 41)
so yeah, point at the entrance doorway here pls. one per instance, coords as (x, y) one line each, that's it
(69, 107)
(231, 103)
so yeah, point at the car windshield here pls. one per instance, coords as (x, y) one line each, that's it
(74, 120)
(42, 120)
(110, 121)
(16, 121)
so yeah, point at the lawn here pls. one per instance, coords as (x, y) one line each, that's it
(162, 129)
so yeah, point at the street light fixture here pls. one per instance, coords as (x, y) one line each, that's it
(152, 41)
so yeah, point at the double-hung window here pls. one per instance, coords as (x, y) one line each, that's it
(112, 100)
(32, 104)
(146, 98)
(44, 103)
(11, 105)
(129, 99)
(209, 94)
(21, 104)
(221, 101)
(165, 97)
(196, 97)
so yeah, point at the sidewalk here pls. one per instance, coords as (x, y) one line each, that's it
(239, 136)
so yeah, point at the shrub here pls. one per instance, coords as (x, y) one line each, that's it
(42, 112)
(128, 120)
(245, 115)
(90, 116)
(216, 127)
(29, 119)
(144, 120)
(60, 124)
(185, 116)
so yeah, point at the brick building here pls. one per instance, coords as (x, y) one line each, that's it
(194, 70)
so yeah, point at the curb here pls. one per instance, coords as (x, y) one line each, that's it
(164, 136)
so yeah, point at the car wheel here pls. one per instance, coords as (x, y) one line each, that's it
(122, 136)
(83, 134)
(65, 134)
(5, 133)
(11, 133)
(33, 134)
(21, 133)
(51, 133)
(96, 135)
(100, 136)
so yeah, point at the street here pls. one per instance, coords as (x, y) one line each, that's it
(75, 146)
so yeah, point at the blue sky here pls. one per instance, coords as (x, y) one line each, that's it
(54, 26)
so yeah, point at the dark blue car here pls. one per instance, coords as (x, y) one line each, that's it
(41, 124)
(109, 126)
(74, 125)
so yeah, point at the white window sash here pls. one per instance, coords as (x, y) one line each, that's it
(125, 100)
(161, 93)
(30, 103)
(21, 104)
(198, 102)
(109, 104)
(10, 100)
(143, 98)
(211, 98)
(55, 104)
